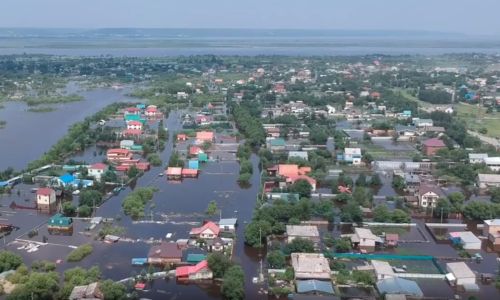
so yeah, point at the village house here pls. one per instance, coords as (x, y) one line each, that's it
(391, 240)
(491, 230)
(292, 173)
(477, 158)
(486, 181)
(60, 223)
(204, 137)
(364, 239)
(116, 155)
(96, 170)
(152, 111)
(181, 137)
(310, 266)
(199, 271)
(399, 288)
(273, 132)
(383, 269)
(431, 146)
(45, 198)
(461, 273)
(134, 125)
(174, 173)
(217, 244)
(277, 145)
(423, 123)
(228, 225)
(466, 239)
(90, 292)
(307, 232)
(132, 111)
(182, 95)
(165, 253)
(279, 88)
(493, 163)
(428, 195)
(315, 287)
(209, 230)
(352, 155)
(298, 154)
(405, 132)
(126, 144)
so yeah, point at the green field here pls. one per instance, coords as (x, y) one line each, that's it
(477, 118)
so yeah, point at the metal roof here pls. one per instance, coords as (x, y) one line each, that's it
(399, 286)
(314, 286)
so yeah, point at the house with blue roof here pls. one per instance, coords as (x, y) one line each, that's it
(194, 164)
(315, 287)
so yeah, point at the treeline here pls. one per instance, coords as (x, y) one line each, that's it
(32, 101)
(249, 124)
(434, 96)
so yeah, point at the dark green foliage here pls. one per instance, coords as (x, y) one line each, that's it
(9, 261)
(218, 263)
(276, 259)
(233, 285)
(299, 245)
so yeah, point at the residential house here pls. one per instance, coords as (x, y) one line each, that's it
(293, 173)
(60, 223)
(45, 198)
(491, 230)
(477, 158)
(486, 181)
(399, 286)
(209, 230)
(431, 146)
(195, 150)
(182, 95)
(383, 269)
(277, 145)
(197, 272)
(462, 274)
(428, 195)
(273, 132)
(165, 253)
(126, 144)
(315, 287)
(307, 232)
(96, 170)
(466, 239)
(193, 164)
(90, 291)
(152, 111)
(391, 239)
(217, 244)
(493, 163)
(181, 137)
(116, 155)
(132, 111)
(174, 173)
(298, 154)
(204, 137)
(228, 225)
(423, 122)
(405, 132)
(352, 155)
(279, 88)
(364, 239)
(204, 120)
(310, 266)
(134, 125)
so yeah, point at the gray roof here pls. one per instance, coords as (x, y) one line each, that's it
(398, 285)
(314, 286)
(228, 222)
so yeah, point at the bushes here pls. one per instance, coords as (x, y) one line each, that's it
(233, 286)
(154, 159)
(80, 253)
(9, 261)
(134, 203)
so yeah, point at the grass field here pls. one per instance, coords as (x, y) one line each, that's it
(477, 118)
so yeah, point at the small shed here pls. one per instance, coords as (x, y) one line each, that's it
(314, 287)
(194, 258)
(193, 164)
(174, 173)
(391, 239)
(399, 286)
(461, 272)
(202, 157)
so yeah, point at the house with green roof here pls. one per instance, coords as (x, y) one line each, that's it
(58, 222)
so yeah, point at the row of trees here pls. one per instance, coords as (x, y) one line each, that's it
(233, 278)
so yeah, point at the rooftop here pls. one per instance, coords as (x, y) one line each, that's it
(460, 270)
(310, 265)
(399, 286)
(302, 230)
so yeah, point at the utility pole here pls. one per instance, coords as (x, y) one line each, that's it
(441, 215)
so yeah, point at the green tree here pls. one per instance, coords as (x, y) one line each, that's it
(381, 214)
(212, 208)
(68, 209)
(218, 263)
(457, 200)
(302, 187)
(361, 180)
(41, 286)
(343, 245)
(398, 183)
(299, 245)
(84, 211)
(400, 216)
(375, 180)
(245, 178)
(276, 259)
(9, 261)
(246, 166)
(351, 212)
(256, 232)
(154, 159)
(133, 172)
(233, 285)
(362, 196)
(109, 176)
(90, 198)
(495, 195)
(113, 290)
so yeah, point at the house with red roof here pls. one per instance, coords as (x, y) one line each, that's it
(181, 137)
(152, 111)
(174, 173)
(116, 155)
(279, 88)
(292, 173)
(197, 272)
(431, 146)
(132, 111)
(96, 170)
(195, 150)
(209, 230)
(205, 136)
(204, 120)
(45, 198)
(134, 125)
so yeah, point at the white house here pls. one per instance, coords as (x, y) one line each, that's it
(383, 269)
(298, 154)
(352, 155)
(423, 122)
(493, 163)
(428, 195)
(182, 95)
(330, 109)
(126, 144)
(364, 239)
(461, 272)
(96, 170)
(228, 224)
(467, 239)
(477, 158)
(45, 198)
(485, 181)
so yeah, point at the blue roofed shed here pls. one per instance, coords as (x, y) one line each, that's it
(193, 164)
(60, 221)
(67, 178)
(314, 287)
(141, 106)
(194, 258)
(202, 157)
(396, 285)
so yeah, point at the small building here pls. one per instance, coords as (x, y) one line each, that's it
(132, 111)
(493, 163)
(60, 223)
(423, 122)
(126, 144)
(298, 154)
(491, 230)
(90, 291)
(45, 198)
(431, 146)
(152, 111)
(165, 253)
(477, 158)
(277, 145)
(391, 239)
(399, 286)
(216, 244)
(202, 157)
(428, 195)
(352, 155)
(96, 170)
(174, 173)
(116, 155)
(461, 272)
(209, 230)
(189, 173)
(195, 150)
(310, 266)
(205, 137)
(197, 272)
(134, 125)
(193, 164)
(181, 137)
(486, 181)
(308, 232)
(315, 287)
(194, 258)
(383, 269)
(364, 239)
(228, 224)
(466, 239)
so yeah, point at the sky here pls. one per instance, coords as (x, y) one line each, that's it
(475, 17)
